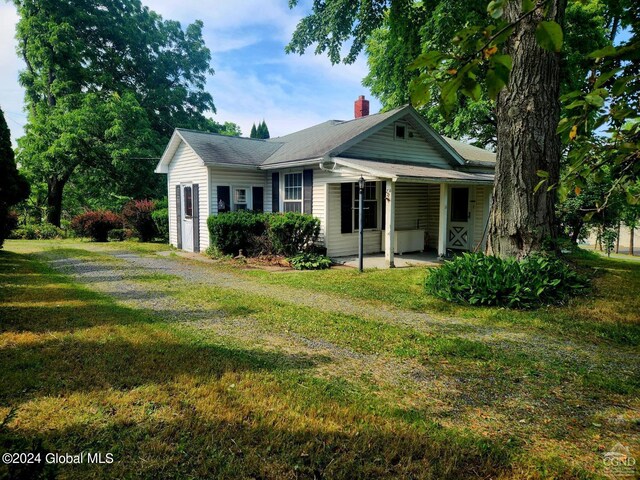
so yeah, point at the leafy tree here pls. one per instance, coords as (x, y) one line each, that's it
(512, 55)
(425, 26)
(94, 136)
(89, 47)
(13, 186)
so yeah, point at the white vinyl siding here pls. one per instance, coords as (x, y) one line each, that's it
(240, 178)
(186, 167)
(418, 208)
(384, 146)
(480, 213)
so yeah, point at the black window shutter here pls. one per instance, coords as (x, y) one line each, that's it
(224, 198)
(275, 192)
(383, 200)
(178, 216)
(258, 199)
(196, 217)
(346, 207)
(307, 183)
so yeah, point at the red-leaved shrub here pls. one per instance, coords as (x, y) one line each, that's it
(137, 216)
(96, 224)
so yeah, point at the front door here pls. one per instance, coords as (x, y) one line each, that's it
(458, 234)
(187, 218)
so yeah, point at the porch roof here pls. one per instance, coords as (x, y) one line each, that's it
(399, 172)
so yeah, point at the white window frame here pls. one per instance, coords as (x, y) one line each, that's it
(356, 197)
(283, 190)
(406, 130)
(248, 192)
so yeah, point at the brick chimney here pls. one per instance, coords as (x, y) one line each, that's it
(361, 107)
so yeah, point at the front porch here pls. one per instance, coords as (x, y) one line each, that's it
(377, 260)
(408, 210)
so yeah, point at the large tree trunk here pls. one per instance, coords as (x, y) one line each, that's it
(54, 200)
(527, 112)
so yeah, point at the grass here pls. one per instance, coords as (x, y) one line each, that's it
(246, 397)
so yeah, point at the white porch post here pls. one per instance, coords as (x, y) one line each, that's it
(442, 224)
(390, 222)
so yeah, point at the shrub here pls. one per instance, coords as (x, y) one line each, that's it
(8, 221)
(231, 232)
(479, 279)
(137, 216)
(43, 231)
(310, 261)
(96, 224)
(161, 220)
(291, 233)
(117, 235)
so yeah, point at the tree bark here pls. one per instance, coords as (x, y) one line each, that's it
(527, 113)
(575, 233)
(55, 187)
(631, 229)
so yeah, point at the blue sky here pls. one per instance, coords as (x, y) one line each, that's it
(254, 79)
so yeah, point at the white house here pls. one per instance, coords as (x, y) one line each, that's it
(422, 190)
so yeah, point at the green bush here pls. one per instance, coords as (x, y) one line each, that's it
(161, 219)
(310, 261)
(291, 233)
(231, 232)
(43, 231)
(478, 279)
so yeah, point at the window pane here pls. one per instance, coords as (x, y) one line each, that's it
(240, 195)
(459, 204)
(188, 202)
(370, 190)
(293, 207)
(293, 186)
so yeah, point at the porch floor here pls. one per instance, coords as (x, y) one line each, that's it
(376, 260)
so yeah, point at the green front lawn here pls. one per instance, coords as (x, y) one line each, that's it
(470, 393)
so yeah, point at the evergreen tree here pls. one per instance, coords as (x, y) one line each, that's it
(13, 187)
(254, 132)
(264, 130)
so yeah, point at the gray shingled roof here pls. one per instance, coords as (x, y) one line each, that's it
(471, 152)
(221, 149)
(328, 138)
(323, 139)
(404, 171)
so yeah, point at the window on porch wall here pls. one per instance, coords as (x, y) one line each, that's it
(370, 206)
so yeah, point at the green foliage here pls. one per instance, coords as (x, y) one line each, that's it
(261, 131)
(161, 220)
(8, 222)
(291, 232)
(137, 215)
(42, 231)
(310, 261)
(96, 224)
(231, 232)
(262, 233)
(479, 279)
(13, 186)
(150, 73)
